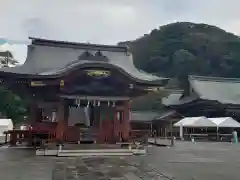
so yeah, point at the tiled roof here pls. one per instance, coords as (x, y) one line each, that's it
(175, 98)
(77, 45)
(147, 116)
(48, 58)
(166, 114)
(143, 115)
(223, 90)
(172, 98)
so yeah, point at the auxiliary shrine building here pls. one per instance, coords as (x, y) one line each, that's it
(73, 85)
(207, 96)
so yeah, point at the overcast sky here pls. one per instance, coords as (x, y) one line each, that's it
(106, 21)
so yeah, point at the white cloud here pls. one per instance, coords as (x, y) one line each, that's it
(108, 21)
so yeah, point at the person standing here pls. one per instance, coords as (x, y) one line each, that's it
(235, 137)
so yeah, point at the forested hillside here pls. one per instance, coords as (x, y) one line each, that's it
(179, 49)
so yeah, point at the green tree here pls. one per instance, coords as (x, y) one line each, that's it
(7, 59)
(200, 49)
(183, 63)
(11, 106)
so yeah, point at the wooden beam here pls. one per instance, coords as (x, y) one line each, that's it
(97, 98)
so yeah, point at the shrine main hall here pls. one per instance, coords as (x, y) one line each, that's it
(72, 85)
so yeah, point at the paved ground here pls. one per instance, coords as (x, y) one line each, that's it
(2, 139)
(99, 168)
(200, 161)
(160, 141)
(185, 161)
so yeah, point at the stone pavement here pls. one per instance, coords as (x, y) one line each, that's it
(184, 161)
(105, 168)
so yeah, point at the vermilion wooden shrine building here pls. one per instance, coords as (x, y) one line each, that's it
(69, 84)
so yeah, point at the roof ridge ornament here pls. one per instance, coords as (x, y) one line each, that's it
(98, 53)
(86, 55)
(97, 56)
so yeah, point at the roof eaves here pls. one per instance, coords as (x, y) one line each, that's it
(156, 82)
(66, 44)
(165, 115)
(180, 102)
(215, 79)
(151, 81)
(143, 115)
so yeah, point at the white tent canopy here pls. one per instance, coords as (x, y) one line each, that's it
(208, 122)
(225, 122)
(5, 125)
(195, 122)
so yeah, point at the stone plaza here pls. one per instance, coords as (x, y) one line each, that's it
(184, 161)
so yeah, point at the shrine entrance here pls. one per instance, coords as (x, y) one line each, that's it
(104, 121)
(110, 124)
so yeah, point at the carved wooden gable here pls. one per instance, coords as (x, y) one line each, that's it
(94, 81)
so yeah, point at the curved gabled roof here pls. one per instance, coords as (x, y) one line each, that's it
(223, 90)
(217, 89)
(52, 58)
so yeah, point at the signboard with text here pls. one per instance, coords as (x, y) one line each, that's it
(98, 73)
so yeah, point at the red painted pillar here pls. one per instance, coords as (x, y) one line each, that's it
(126, 129)
(108, 130)
(32, 119)
(61, 121)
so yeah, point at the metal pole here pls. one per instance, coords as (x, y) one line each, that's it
(171, 132)
(181, 131)
(151, 128)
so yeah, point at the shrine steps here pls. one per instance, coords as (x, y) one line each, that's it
(61, 154)
(90, 152)
(160, 141)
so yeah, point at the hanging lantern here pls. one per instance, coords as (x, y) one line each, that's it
(108, 103)
(94, 103)
(78, 102)
(88, 104)
(113, 105)
(118, 115)
(98, 103)
(62, 83)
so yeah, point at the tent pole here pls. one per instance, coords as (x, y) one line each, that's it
(181, 131)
